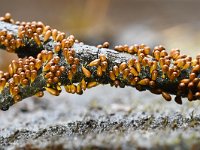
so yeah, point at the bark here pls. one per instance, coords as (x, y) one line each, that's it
(87, 54)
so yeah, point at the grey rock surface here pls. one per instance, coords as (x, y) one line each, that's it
(102, 118)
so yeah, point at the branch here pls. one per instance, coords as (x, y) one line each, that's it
(49, 60)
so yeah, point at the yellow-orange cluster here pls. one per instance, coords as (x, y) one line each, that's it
(21, 72)
(146, 69)
(40, 34)
(160, 64)
(8, 40)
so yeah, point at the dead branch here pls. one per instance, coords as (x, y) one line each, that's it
(48, 60)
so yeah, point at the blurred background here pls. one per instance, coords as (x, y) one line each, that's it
(172, 23)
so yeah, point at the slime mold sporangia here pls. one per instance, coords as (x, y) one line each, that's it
(48, 59)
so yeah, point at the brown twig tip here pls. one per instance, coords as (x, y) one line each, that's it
(50, 59)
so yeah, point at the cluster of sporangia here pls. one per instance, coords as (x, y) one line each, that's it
(159, 63)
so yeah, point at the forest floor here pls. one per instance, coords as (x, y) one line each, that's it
(102, 118)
